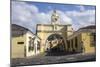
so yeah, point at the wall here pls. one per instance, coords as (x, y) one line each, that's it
(17, 50)
(32, 52)
(29, 53)
(86, 41)
(45, 30)
(81, 37)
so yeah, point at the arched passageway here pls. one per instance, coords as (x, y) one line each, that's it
(55, 44)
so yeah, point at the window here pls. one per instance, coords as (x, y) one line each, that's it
(20, 42)
(31, 44)
(92, 39)
(38, 45)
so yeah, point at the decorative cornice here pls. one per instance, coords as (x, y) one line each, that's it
(52, 25)
(52, 31)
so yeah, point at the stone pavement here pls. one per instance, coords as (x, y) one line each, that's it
(43, 59)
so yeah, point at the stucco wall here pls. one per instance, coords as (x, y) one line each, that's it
(44, 31)
(29, 53)
(17, 50)
(86, 42)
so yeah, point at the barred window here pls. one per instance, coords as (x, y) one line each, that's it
(38, 45)
(92, 39)
(31, 44)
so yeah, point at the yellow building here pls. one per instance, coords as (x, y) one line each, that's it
(23, 42)
(55, 31)
(83, 40)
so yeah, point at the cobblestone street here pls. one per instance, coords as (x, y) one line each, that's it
(43, 59)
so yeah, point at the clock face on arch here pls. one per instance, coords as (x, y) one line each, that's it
(54, 17)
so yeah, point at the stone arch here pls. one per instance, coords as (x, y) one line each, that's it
(60, 39)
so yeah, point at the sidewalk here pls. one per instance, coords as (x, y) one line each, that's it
(37, 60)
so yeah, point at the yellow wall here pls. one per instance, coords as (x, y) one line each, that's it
(86, 41)
(17, 50)
(22, 50)
(44, 33)
(82, 37)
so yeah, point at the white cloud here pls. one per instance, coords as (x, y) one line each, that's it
(28, 15)
(22, 14)
(64, 19)
(80, 19)
(81, 8)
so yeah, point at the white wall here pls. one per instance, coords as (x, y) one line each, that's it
(31, 53)
(37, 39)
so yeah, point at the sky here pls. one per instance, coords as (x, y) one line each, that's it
(28, 14)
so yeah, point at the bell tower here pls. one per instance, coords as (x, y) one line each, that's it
(53, 31)
(55, 17)
(55, 20)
